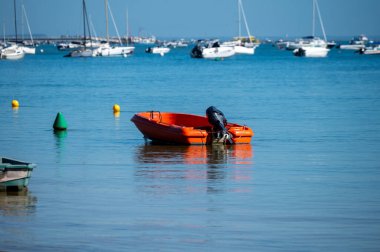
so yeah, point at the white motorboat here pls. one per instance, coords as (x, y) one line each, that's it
(315, 52)
(370, 50)
(356, 43)
(13, 52)
(212, 50)
(158, 50)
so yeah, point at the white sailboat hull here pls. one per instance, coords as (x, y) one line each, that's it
(314, 52)
(12, 53)
(115, 51)
(29, 50)
(245, 50)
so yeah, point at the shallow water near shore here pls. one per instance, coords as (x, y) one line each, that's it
(310, 180)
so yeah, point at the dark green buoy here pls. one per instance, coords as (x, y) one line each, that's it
(60, 122)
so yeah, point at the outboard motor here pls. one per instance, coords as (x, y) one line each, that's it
(217, 119)
(196, 52)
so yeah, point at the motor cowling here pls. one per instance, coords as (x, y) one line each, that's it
(217, 119)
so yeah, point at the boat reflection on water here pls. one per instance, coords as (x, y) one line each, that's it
(17, 203)
(194, 167)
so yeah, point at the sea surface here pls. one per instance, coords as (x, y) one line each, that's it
(309, 181)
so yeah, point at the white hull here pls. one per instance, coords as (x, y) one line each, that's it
(158, 50)
(217, 52)
(115, 51)
(351, 47)
(29, 50)
(314, 52)
(370, 50)
(12, 53)
(245, 50)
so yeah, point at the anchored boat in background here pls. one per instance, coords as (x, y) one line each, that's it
(188, 129)
(14, 174)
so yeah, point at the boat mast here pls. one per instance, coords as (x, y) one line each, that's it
(313, 19)
(106, 11)
(87, 24)
(320, 20)
(245, 20)
(14, 7)
(239, 12)
(84, 22)
(4, 32)
(114, 24)
(27, 23)
(127, 25)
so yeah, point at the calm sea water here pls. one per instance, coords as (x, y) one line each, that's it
(310, 181)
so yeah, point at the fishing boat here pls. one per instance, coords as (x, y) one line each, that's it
(14, 174)
(188, 129)
(211, 50)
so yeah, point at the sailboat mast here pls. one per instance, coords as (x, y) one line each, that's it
(320, 20)
(14, 7)
(27, 23)
(245, 20)
(313, 19)
(84, 23)
(127, 25)
(239, 12)
(106, 12)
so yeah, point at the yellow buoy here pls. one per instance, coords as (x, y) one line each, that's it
(116, 108)
(15, 104)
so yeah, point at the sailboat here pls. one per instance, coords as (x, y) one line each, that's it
(311, 46)
(241, 44)
(14, 51)
(108, 50)
(85, 51)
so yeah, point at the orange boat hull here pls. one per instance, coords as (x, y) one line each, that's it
(185, 129)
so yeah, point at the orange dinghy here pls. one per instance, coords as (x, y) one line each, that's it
(177, 128)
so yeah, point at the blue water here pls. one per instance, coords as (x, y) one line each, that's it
(310, 180)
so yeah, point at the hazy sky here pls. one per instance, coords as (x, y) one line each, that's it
(197, 18)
